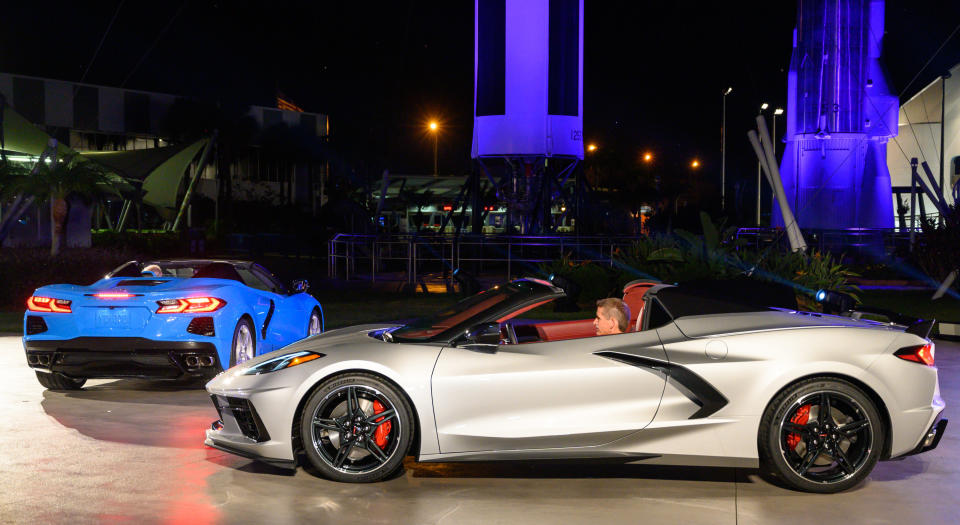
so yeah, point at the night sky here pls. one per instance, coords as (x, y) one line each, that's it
(653, 71)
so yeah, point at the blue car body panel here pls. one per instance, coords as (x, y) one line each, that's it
(278, 319)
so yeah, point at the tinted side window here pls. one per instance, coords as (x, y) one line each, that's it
(658, 315)
(275, 285)
(252, 280)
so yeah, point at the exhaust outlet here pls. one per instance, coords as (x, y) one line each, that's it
(32, 359)
(192, 361)
(44, 360)
(206, 360)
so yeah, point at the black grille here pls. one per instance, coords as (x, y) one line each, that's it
(35, 325)
(246, 417)
(201, 326)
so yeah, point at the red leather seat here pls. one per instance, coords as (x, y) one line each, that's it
(633, 297)
(562, 330)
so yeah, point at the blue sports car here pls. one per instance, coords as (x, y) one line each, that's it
(163, 319)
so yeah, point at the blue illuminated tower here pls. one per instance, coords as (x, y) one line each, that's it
(528, 107)
(840, 115)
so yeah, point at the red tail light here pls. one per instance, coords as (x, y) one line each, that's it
(191, 305)
(922, 354)
(47, 304)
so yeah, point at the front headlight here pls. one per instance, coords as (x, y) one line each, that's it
(281, 362)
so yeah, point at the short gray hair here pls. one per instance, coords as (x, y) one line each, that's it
(616, 309)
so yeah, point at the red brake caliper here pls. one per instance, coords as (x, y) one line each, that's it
(800, 418)
(380, 436)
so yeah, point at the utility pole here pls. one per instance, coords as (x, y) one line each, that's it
(723, 152)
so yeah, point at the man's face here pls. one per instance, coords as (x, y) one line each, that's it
(604, 325)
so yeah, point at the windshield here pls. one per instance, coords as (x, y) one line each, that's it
(181, 269)
(497, 303)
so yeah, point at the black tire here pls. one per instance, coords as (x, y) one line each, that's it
(55, 381)
(325, 443)
(318, 315)
(246, 323)
(822, 455)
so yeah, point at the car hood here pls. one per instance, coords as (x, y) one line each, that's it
(333, 342)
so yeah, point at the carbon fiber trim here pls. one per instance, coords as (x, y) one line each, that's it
(694, 387)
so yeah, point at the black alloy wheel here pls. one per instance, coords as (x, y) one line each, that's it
(821, 435)
(356, 428)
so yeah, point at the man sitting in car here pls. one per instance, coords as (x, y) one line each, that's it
(613, 315)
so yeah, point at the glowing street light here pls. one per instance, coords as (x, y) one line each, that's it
(647, 157)
(591, 148)
(695, 164)
(433, 127)
(764, 106)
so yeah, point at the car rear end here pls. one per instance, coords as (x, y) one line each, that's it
(915, 407)
(150, 328)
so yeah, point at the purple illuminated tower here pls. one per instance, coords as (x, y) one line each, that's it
(840, 115)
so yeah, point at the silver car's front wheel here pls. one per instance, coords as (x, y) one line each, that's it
(822, 435)
(356, 428)
(244, 346)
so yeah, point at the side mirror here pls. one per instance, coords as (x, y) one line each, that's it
(482, 337)
(300, 286)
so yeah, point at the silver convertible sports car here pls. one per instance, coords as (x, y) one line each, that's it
(700, 378)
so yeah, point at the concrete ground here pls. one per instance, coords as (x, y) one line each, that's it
(131, 451)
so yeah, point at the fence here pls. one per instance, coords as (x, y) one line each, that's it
(410, 257)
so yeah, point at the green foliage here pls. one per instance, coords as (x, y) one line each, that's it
(23, 270)
(11, 174)
(937, 248)
(153, 243)
(57, 180)
(686, 256)
(596, 281)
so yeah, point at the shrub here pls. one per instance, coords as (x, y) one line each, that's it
(155, 243)
(24, 270)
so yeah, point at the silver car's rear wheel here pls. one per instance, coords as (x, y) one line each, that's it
(356, 428)
(822, 435)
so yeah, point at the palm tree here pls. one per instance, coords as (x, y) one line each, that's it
(54, 182)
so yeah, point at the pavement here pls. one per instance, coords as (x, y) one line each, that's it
(131, 451)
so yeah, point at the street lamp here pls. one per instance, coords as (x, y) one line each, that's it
(591, 148)
(723, 152)
(647, 157)
(776, 113)
(433, 126)
(763, 108)
(695, 164)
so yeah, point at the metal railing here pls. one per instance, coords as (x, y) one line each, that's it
(409, 256)
(850, 241)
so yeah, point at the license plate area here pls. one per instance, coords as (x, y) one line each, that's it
(113, 318)
(120, 318)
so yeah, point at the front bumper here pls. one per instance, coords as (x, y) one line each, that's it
(123, 357)
(240, 431)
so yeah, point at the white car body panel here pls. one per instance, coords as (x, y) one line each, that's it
(560, 399)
